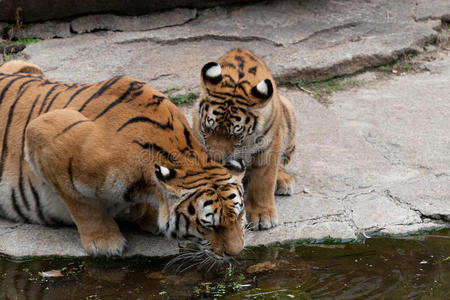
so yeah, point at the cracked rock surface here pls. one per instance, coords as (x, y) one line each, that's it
(376, 160)
(297, 39)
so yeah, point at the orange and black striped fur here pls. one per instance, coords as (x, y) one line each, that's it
(89, 153)
(241, 115)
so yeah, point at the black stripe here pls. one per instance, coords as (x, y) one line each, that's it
(242, 88)
(190, 174)
(8, 85)
(21, 190)
(227, 65)
(177, 223)
(252, 70)
(241, 61)
(100, 91)
(215, 94)
(70, 172)
(37, 203)
(212, 167)
(243, 103)
(229, 78)
(17, 208)
(22, 86)
(150, 146)
(197, 180)
(187, 135)
(51, 102)
(187, 223)
(207, 203)
(134, 86)
(139, 119)
(75, 94)
(191, 209)
(6, 133)
(71, 126)
(30, 113)
(46, 97)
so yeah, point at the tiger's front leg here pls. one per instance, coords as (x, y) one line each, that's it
(68, 152)
(260, 202)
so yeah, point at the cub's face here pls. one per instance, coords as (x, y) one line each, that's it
(235, 91)
(206, 207)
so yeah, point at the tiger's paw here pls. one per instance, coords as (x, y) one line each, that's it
(108, 244)
(285, 184)
(261, 219)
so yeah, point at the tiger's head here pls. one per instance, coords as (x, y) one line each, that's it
(205, 206)
(236, 96)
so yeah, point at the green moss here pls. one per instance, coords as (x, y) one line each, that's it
(183, 99)
(25, 41)
(180, 99)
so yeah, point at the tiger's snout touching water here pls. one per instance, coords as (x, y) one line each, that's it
(87, 154)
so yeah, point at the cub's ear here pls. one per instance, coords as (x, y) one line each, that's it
(164, 174)
(263, 90)
(212, 72)
(236, 166)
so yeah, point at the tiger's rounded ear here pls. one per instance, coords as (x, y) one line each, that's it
(263, 90)
(236, 166)
(212, 72)
(164, 174)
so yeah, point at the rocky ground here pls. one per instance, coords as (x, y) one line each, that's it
(373, 148)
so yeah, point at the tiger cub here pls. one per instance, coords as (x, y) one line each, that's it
(85, 154)
(240, 114)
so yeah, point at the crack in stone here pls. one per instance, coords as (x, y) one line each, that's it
(315, 220)
(160, 76)
(407, 205)
(100, 28)
(326, 30)
(228, 38)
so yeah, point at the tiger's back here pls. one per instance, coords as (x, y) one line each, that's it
(24, 97)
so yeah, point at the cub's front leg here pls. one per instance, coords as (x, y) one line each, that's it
(68, 152)
(260, 202)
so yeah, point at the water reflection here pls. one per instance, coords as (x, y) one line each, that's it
(416, 267)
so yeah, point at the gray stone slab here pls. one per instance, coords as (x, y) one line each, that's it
(46, 30)
(406, 120)
(434, 9)
(429, 195)
(304, 40)
(374, 211)
(111, 22)
(331, 159)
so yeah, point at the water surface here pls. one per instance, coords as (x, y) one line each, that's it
(411, 267)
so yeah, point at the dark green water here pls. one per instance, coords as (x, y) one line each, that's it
(413, 267)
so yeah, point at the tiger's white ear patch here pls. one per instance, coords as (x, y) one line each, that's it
(262, 87)
(263, 90)
(214, 71)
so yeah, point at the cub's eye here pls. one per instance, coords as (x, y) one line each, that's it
(237, 129)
